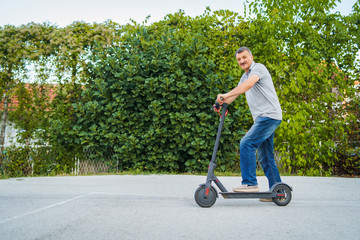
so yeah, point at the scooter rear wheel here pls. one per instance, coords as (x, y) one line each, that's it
(200, 197)
(285, 191)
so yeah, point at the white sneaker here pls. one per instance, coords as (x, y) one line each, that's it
(246, 188)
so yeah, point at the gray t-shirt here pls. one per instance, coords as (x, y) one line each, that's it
(262, 98)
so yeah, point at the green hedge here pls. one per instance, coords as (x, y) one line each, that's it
(149, 103)
(25, 161)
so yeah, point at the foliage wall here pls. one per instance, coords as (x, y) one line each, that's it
(139, 96)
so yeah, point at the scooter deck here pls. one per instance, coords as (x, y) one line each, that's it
(267, 194)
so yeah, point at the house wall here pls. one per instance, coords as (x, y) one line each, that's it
(10, 135)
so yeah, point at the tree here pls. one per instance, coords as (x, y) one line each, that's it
(18, 46)
(73, 44)
(311, 54)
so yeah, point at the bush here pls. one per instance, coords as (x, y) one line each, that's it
(25, 161)
(149, 102)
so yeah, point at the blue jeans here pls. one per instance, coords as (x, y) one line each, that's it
(260, 137)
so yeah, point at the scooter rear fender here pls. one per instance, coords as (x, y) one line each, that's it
(280, 183)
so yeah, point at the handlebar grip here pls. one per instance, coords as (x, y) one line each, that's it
(217, 105)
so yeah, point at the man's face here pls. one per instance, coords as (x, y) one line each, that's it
(244, 60)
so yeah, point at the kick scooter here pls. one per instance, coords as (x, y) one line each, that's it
(206, 194)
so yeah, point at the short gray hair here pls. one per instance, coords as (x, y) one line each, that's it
(240, 50)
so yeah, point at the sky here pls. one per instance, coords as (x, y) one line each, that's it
(65, 12)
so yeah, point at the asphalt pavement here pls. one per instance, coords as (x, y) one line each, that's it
(163, 207)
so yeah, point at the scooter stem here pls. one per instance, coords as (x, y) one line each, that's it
(211, 171)
(222, 120)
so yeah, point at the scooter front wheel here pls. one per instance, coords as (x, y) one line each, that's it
(203, 201)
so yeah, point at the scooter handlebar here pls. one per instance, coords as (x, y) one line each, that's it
(217, 105)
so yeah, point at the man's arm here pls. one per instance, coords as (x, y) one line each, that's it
(240, 89)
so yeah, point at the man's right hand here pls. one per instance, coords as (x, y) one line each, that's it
(220, 98)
